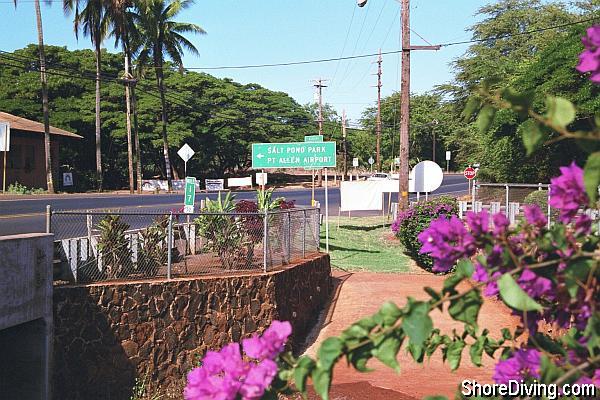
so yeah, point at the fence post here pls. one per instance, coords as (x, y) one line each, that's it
(265, 239)
(48, 218)
(548, 208)
(473, 196)
(506, 210)
(303, 233)
(169, 245)
(289, 233)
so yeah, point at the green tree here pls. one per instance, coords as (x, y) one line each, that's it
(162, 36)
(93, 20)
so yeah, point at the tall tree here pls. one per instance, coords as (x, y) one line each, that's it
(94, 21)
(163, 37)
(45, 106)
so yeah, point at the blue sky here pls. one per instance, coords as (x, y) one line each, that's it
(270, 31)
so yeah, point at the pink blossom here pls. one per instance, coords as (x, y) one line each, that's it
(567, 192)
(271, 343)
(589, 59)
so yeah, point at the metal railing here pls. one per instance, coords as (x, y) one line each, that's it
(95, 246)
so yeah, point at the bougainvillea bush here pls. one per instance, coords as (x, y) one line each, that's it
(410, 223)
(549, 278)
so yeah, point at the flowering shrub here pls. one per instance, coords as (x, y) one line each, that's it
(545, 276)
(410, 223)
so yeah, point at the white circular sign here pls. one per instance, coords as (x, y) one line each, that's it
(371, 161)
(425, 177)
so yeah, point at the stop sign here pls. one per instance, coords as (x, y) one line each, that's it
(470, 173)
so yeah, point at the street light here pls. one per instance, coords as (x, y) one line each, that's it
(434, 123)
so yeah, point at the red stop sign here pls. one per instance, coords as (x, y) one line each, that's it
(470, 173)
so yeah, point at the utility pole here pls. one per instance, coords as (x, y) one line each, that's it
(404, 102)
(379, 112)
(344, 143)
(319, 85)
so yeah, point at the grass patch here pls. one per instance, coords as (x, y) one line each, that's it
(362, 244)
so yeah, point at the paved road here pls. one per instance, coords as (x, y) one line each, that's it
(28, 214)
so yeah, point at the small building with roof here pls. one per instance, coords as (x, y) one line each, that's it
(26, 161)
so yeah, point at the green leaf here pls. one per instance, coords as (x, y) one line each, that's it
(359, 357)
(454, 353)
(561, 112)
(485, 118)
(473, 103)
(466, 308)
(321, 379)
(387, 350)
(591, 176)
(548, 371)
(514, 296)
(506, 335)
(533, 136)
(476, 350)
(592, 332)
(417, 324)
(303, 368)
(435, 296)
(389, 313)
(464, 270)
(329, 352)
(577, 273)
(355, 331)
(520, 102)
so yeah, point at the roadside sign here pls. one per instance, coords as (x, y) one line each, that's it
(313, 138)
(397, 160)
(185, 152)
(214, 184)
(4, 136)
(355, 162)
(371, 161)
(293, 155)
(261, 178)
(67, 179)
(448, 154)
(190, 195)
(470, 173)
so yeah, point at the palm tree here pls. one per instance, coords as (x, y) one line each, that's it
(162, 37)
(45, 107)
(124, 30)
(94, 21)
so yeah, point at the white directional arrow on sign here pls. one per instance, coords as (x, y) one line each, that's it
(260, 155)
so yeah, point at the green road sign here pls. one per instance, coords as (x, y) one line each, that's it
(313, 138)
(293, 155)
(190, 195)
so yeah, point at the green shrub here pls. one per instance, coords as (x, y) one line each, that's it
(113, 247)
(416, 219)
(17, 188)
(153, 250)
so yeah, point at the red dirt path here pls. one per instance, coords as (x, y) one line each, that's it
(361, 294)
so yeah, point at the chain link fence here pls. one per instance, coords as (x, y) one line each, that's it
(98, 246)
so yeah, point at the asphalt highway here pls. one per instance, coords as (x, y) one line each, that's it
(25, 215)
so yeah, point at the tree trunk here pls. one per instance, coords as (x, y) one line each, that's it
(98, 122)
(138, 159)
(45, 107)
(128, 118)
(163, 104)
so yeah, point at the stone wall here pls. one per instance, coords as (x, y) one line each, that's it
(108, 334)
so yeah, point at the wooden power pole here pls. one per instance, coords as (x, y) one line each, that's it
(404, 102)
(378, 148)
(319, 85)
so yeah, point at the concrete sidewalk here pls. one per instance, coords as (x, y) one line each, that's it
(361, 294)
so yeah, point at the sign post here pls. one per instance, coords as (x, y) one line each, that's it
(185, 152)
(371, 162)
(470, 174)
(190, 195)
(448, 155)
(313, 155)
(313, 139)
(4, 146)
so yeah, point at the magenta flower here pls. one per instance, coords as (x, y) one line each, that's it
(478, 223)
(446, 241)
(535, 286)
(534, 215)
(225, 375)
(567, 192)
(259, 377)
(583, 225)
(500, 224)
(523, 364)
(270, 344)
(589, 60)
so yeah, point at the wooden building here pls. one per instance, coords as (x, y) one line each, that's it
(26, 159)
